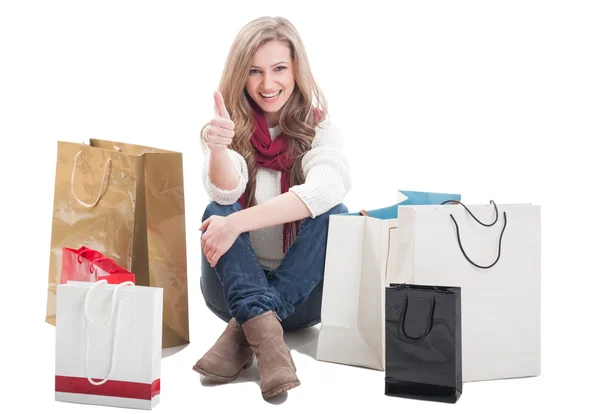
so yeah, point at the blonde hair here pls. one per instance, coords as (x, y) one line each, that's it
(301, 114)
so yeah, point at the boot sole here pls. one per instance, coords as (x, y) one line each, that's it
(219, 378)
(279, 389)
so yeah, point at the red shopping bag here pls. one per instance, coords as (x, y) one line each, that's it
(87, 265)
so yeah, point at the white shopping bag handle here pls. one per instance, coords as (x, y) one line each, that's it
(89, 322)
(101, 183)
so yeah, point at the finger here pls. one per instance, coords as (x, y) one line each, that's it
(222, 123)
(217, 147)
(220, 140)
(219, 133)
(212, 260)
(203, 241)
(226, 133)
(205, 224)
(215, 129)
(220, 102)
(208, 244)
(211, 134)
(209, 252)
(216, 258)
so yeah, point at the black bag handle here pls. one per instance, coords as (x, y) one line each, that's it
(472, 215)
(483, 224)
(401, 322)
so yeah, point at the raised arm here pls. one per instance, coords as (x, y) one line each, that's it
(225, 173)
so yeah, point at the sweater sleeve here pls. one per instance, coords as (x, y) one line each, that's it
(326, 171)
(225, 197)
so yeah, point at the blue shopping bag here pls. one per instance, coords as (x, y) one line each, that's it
(413, 198)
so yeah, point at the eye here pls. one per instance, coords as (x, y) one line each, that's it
(254, 71)
(280, 68)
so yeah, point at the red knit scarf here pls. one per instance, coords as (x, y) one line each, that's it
(272, 154)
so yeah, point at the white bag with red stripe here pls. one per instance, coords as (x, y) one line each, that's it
(108, 344)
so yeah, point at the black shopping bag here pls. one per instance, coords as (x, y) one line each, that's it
(423, 342)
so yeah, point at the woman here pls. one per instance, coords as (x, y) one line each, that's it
(275, 172)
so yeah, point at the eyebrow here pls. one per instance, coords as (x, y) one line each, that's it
(276, 64)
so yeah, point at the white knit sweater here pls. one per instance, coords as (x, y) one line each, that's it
(327, 183)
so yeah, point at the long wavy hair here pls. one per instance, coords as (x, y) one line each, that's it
(301, 114)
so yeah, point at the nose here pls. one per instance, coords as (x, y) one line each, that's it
(267, 82)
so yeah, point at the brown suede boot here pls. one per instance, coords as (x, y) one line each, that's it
(275, 365)
(227, 357)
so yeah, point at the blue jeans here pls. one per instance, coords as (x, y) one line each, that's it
(249, 290)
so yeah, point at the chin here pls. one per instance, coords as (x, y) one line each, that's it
(270, 109)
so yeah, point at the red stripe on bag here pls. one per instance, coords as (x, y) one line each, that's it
(122, 389)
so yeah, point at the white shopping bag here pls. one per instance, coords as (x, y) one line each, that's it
(497, 267)
(108, 344)
(360, 263)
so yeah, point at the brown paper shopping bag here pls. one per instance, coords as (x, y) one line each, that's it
(126, 201)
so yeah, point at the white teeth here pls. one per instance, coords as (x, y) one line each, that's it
(271, 95)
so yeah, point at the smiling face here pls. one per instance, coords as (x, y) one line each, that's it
(271, 79)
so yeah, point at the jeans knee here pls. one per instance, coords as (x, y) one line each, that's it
(215, 209)
(339, 209)
(322, 220)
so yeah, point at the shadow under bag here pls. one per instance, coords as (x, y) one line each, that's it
(423, 342)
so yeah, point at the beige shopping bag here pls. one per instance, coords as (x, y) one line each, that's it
(126, 201)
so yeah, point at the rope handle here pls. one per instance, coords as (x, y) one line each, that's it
(402, 321)
(473, 215)
(89, 322)
(483, 224)
(99, 259)
(81, 254)
(89, 205)
(463, 250)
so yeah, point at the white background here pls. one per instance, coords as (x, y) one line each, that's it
(494, 100)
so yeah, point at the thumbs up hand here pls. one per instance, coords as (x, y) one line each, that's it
(221, 130)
